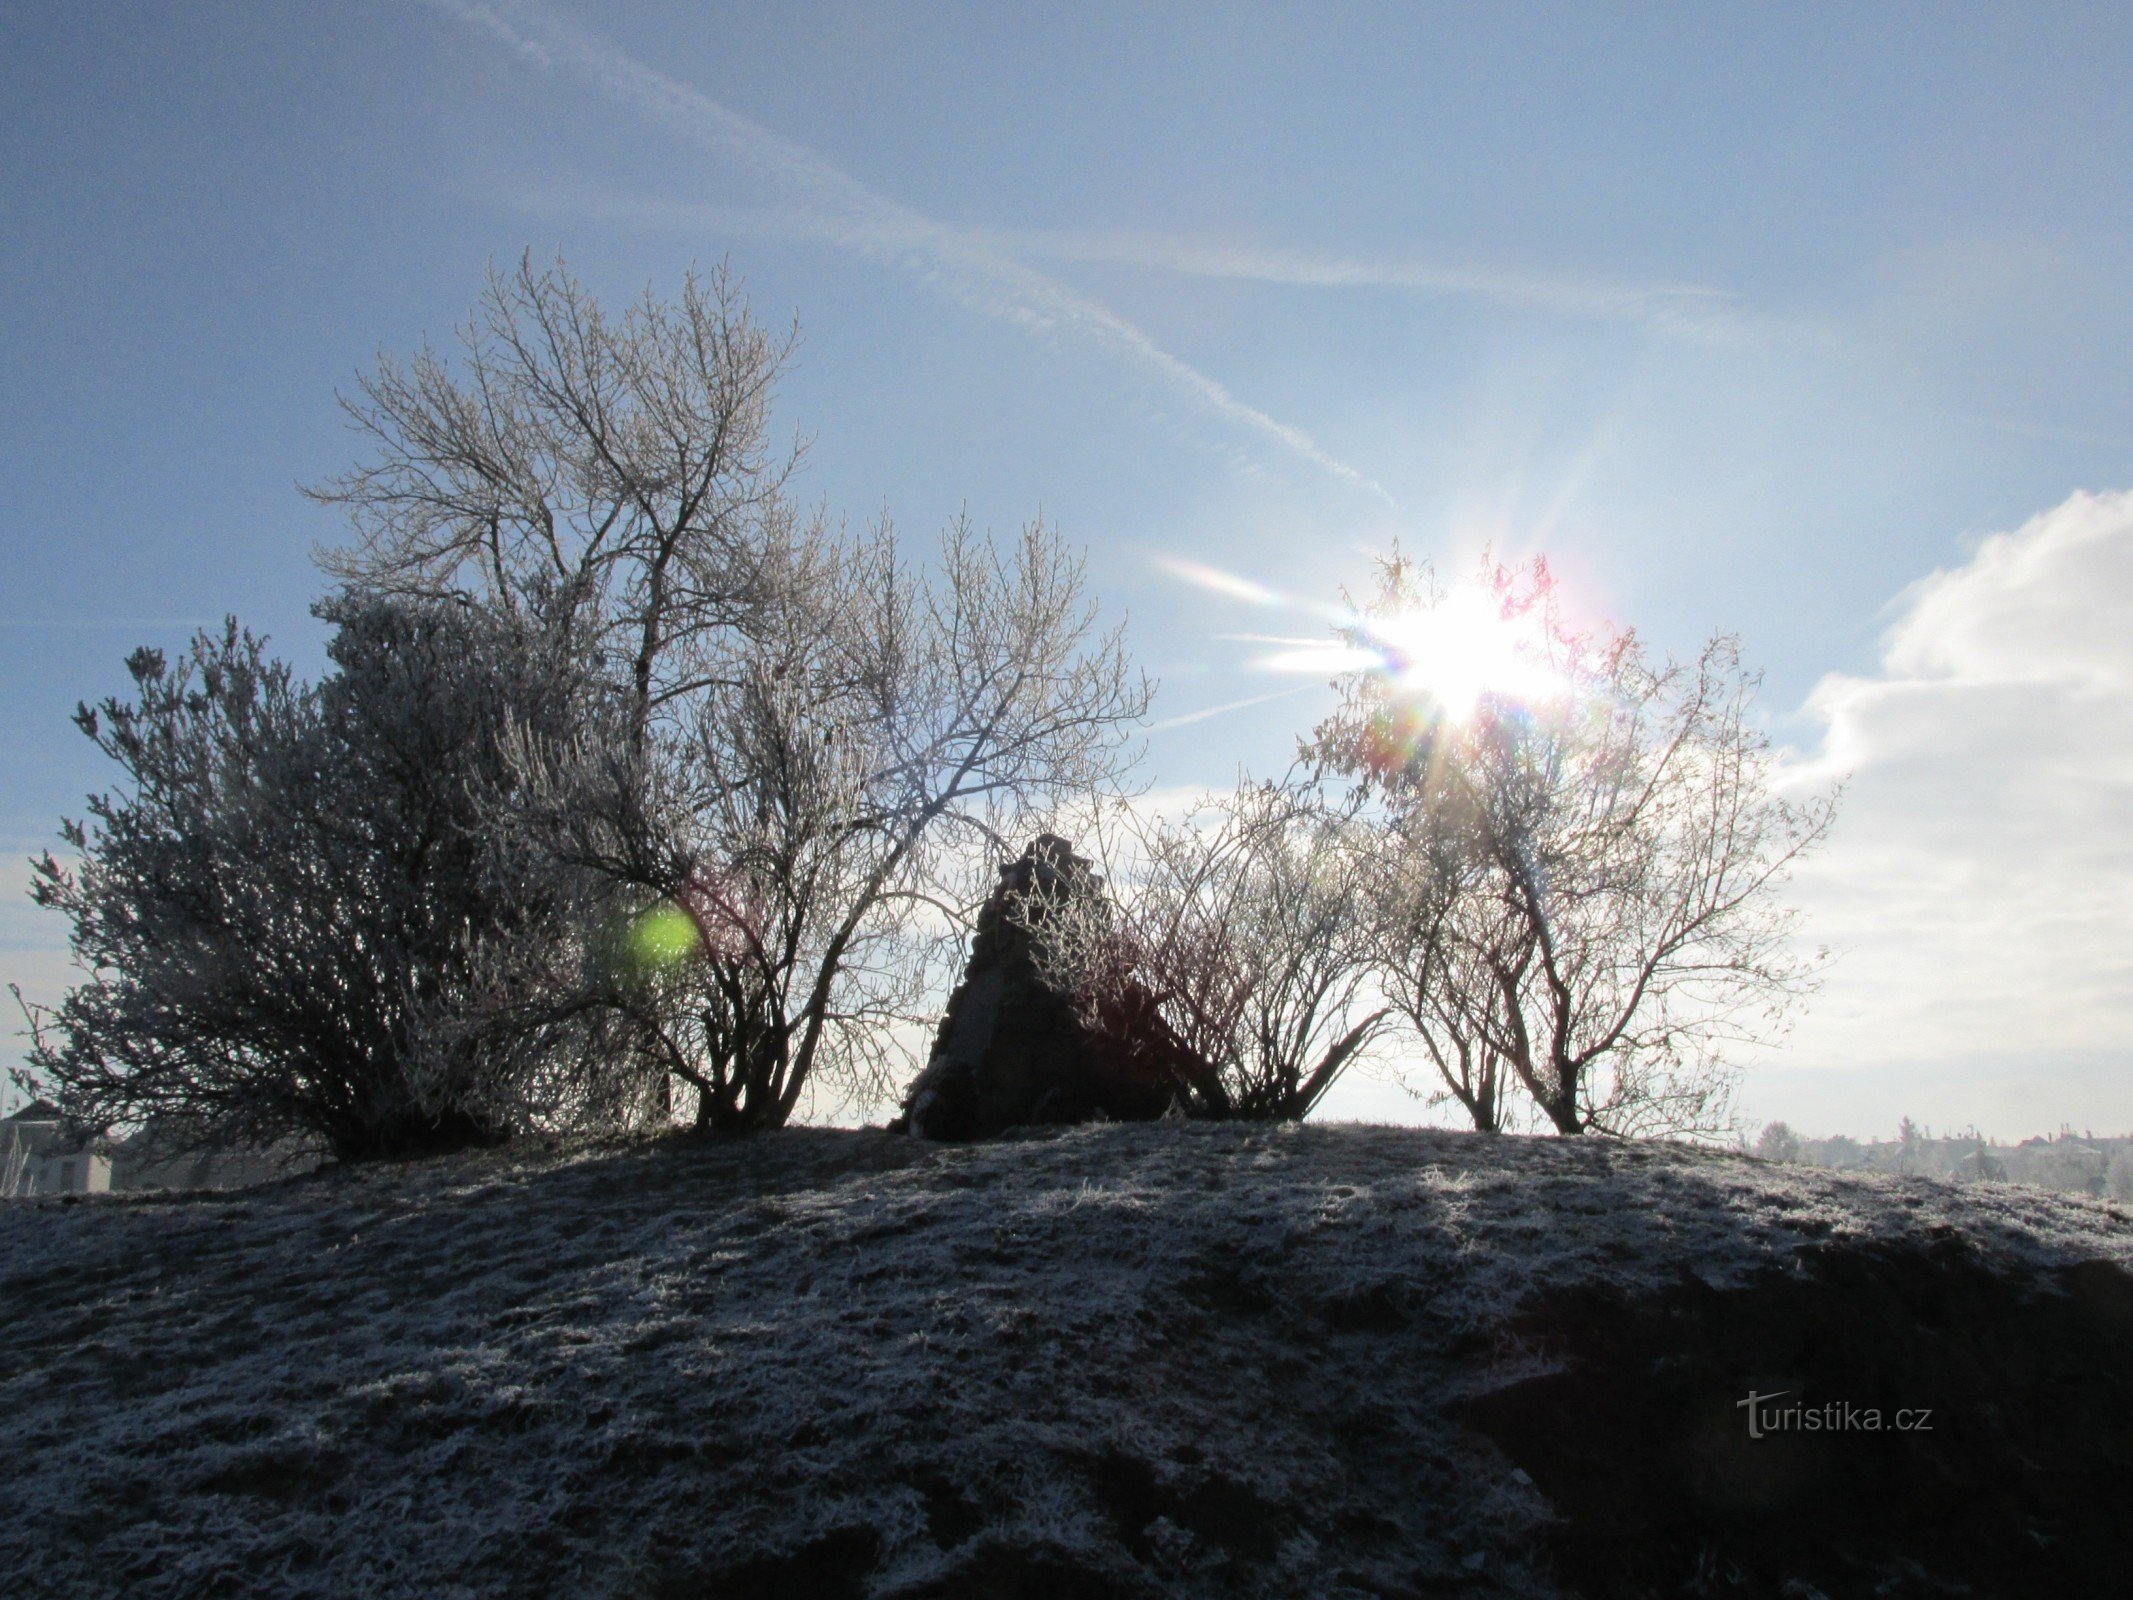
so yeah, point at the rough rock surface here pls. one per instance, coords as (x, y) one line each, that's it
(1013, 1051)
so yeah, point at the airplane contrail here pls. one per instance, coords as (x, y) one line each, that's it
(843, 211)
(1202, 715)
(1680, 310)
(1684, 309)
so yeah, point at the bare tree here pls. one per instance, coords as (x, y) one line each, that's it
(612, 473)
(876, 731)
(1240, 929)
(1593, 871)
(1424, 890)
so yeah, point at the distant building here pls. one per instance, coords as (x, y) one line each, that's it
(42, 1153)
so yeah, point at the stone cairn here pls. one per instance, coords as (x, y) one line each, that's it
(1014, 1050)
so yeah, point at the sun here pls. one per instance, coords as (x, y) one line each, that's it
(1463, 647)
(1445, 649)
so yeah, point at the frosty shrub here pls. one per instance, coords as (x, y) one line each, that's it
(291, 912)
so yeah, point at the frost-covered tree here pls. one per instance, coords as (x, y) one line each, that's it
(1911, 1142)
(735, 840)
(797, 844)
(1427, 919)
(1839, 1150)
(291, 912)
(1239, 928)
(613, 472)
(1590, 845)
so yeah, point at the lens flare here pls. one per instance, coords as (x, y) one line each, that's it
(664, 936)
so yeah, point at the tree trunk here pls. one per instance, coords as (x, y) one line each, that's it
(1564, 1114)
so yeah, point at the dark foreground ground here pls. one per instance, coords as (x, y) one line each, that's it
(1123, 1361)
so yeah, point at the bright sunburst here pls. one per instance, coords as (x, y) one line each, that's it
(1465, 646)
(1450, 651)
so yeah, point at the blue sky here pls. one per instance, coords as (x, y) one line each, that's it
(1749, 318)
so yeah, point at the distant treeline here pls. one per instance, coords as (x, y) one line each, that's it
(2079, 1163)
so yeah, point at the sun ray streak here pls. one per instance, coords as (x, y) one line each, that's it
(1463, 644)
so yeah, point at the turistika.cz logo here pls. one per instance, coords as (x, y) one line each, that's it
(1766, 1417)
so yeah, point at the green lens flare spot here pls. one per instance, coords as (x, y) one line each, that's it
(663, 935)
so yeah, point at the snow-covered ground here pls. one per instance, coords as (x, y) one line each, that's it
(1123, 1360)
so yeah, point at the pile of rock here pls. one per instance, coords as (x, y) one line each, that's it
(1016, 1049)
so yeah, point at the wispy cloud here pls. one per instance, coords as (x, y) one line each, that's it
(832, 205)
(1686, 309)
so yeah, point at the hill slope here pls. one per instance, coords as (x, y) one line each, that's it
(1115, 1361)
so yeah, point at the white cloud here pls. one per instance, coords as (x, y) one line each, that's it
(1978, 887)
(832, 205)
